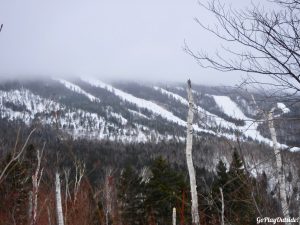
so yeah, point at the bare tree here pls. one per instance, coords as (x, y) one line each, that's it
(36, 179)
(67, 190)
(174, 216)
(79, 173)
(265, 42)
(108, 195)
(189, 158)
(59, 210)
(299, 200)
(279, 166)
(222, 210)
(280, 176)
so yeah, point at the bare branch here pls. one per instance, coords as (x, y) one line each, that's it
(15, 155)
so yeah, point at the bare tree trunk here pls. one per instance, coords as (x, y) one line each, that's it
(36, 179)
(299, 201)
(108, 198)
(49, 215)
(30, 206)
(222, 201)
(279, 167)
(67, 191)
(59, 211)
(79, 173)
(189, 159)
(174, 216)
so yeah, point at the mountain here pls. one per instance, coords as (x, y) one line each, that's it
(110, 126)
(133, 112)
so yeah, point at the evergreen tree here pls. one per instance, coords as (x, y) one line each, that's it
(163, 192)
(235, 183)
(221, 181)
(222, 175)
(241, 209)
(130, 194)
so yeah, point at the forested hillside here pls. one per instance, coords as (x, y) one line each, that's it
(117, 152)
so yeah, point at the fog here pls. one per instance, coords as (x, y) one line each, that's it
(132, 39)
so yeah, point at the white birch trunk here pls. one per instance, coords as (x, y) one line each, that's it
(59, 211)
(36, 179)
(30, 206)
(34, 201)
(222, 201)
(189, 159)
(299, 201)
(279, 167)
(174, 216)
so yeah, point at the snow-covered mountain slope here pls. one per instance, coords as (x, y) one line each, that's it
(250, 128)
(90, 108)
(79, 90)
(141, 103)
(231, 109)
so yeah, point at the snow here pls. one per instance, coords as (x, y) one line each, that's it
(119, 117)
(142, 103)
(77, 122)
(212, 119)
(250, 128)
(229, 107)
(80, 123)
(294, 149)
(138, 114)
(77, 89)
(32, 104)
(180, 88)
(283, 107)
(172, 95)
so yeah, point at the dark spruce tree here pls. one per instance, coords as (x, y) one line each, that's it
(236, 186)
(163, 192)
(131, 197)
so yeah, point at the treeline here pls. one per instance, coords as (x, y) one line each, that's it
(132, 196)
(106, 182)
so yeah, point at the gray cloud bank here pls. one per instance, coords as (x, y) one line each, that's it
(111, 39)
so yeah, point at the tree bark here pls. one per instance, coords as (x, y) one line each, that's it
(222, 201)
(59, 211)
(279, 167)
(49, 215)
(36, 179)
(189, 159)
(174, 216)
(299, 200)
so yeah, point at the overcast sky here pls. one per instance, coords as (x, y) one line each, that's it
(127, 39)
